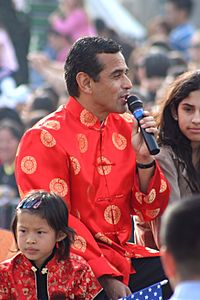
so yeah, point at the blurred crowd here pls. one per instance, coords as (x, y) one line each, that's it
(32, 84)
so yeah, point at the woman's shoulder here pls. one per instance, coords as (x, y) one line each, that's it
(166, 151)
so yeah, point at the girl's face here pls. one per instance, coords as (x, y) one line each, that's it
(35, 238)
(189, 117)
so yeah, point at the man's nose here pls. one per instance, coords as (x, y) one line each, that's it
(127, 82)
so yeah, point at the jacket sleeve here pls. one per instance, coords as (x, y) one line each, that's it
(4, 284)
(41, 163)
(147, 234)
(152, 204)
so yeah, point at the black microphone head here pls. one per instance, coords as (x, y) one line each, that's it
(134, 103)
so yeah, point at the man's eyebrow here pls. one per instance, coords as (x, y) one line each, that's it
(120, 71)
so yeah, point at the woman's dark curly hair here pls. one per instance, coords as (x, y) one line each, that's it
(169, 131)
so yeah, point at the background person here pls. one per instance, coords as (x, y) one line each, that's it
(178, 13)
(72, 19)
(180, 249)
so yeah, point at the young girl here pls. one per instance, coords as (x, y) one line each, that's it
(44, 268)
(179, 138)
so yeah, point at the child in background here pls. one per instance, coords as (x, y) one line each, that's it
(44, 268)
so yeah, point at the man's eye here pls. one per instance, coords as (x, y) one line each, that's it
(117, 75)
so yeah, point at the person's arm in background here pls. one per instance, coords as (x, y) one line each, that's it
(50, 70)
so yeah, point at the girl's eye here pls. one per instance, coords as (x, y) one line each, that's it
(22, 230)
(41, 232)
(187, 109)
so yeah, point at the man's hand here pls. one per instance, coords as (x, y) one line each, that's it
(114, 288)
(149, 124)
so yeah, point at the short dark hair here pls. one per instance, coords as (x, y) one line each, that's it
(14, 128)
(54, 210)
(186, 5)
(180, 229)
(156, 64)
(83, 58)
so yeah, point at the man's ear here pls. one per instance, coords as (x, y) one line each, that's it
(84, 82)
(60, 236)
(168, 262)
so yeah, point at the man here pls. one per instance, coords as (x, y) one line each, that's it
(85, 153)
(181, 247)
(178, 14)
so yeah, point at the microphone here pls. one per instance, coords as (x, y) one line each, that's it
(135, 105)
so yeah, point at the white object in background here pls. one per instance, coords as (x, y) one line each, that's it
(116, 16)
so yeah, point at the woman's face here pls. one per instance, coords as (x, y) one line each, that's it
(189, 117)
(8, 146)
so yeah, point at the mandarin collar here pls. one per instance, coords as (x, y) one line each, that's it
(85, 117)
(26, 264)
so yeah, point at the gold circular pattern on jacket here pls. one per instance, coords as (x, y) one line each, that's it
(75, 165)
(101, 237)
(119, 141)
(150, 197)
(152, 213)
(103, 165)
(82, 142)
(127, 117)
(28, 164)
(112, 214)
(87, 118)
(79, 243)
(138, 196)
(163, 186)
(52, 124)
(58, 186)
(47, 139)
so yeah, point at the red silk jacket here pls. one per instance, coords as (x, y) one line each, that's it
(68, 279)
(92, 166)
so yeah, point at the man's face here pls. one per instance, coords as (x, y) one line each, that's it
(109, 93)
